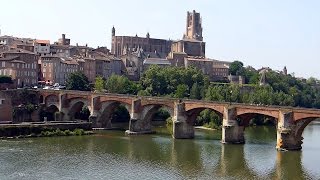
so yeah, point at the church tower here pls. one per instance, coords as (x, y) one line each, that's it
(113, 33)
(194, 26)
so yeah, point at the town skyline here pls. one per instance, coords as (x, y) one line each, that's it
(258, 35)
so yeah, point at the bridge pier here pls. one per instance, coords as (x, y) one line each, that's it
(232, 132)
(287, 137)
(137, 125)
(181, 128)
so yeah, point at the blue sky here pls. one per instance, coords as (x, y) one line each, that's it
(260, 33)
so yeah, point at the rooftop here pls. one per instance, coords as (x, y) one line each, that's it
(158, 61)
(42, 41)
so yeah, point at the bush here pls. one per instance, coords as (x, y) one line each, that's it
(79, 132)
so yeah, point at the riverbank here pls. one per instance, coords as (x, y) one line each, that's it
(44, 129)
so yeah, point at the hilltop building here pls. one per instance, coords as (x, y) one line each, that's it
(121, 44)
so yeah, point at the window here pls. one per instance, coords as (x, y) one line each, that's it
(1, 101)
(3, 64)
(18, 65)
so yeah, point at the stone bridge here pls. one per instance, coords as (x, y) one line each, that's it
(290, 121)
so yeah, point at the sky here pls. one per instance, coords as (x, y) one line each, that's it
(260, 33)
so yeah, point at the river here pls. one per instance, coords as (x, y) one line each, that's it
(112, 155)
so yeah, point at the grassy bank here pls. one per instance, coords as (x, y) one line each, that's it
(51, 133)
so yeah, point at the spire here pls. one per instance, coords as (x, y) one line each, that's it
(285, 71)
(113, 31)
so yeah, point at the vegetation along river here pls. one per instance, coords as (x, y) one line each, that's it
(112, 155)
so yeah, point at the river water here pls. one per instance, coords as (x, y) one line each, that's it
(112, 155)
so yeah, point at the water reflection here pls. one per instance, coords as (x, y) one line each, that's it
(112, 155)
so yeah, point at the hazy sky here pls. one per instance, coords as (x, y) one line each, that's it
(260, 33)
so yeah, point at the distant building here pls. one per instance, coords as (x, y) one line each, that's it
(121, 43)
(64, 41)
(193, 26)
(41, 47)
(155, 61)
(57, 69)
(191, 47)
(220, 70)
(192, 43)
(236, 79)
(21, 65)
(285, 71)
(205, 65)
(60, 50)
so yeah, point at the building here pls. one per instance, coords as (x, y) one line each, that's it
(121, 43)
(220, 70)
(193, 26)
(63, 41)
(56, 69)
(21, 65)
(89, 68)
(155, 61)
(106, 64)
(205, 65)
(60, 50)
(190, 47)
(192, 43)
(41, 47)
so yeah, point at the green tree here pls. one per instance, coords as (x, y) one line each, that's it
(165, 81)
(195, 92)
(182, 91)
(121, 85)
(99, 84)
(77, 81)
(236, 68)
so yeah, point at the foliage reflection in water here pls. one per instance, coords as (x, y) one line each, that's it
(112, 155)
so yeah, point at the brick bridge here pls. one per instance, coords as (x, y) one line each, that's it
(290, 121)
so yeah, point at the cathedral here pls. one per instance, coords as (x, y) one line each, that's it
(136, 52)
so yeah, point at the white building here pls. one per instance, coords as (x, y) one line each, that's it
(42, 47)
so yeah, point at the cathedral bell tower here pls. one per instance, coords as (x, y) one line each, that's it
(194, 26)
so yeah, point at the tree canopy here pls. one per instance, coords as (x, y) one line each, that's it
(236, 68)
(120, 85)
(5, 79)
(77, 81)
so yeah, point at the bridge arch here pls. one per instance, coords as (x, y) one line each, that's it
(244, 119)
(148, 111)
(192, 114)
(301, 124)
(147, 115)
(76, 105)
(104, 119)
(50, 112)
(51, 99)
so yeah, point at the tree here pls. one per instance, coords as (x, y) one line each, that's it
(236, 68)
(182, 91)
(195, 92)
(5, 79)
(159, 81)
(77, 81)
(99, 84)
(121, 85)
